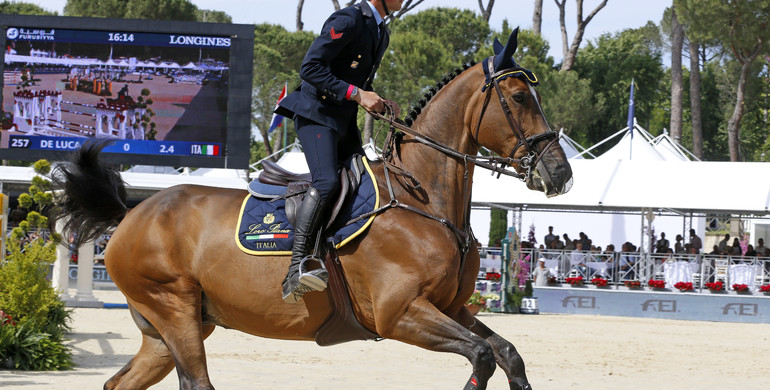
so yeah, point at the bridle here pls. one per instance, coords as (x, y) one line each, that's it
(493, 78)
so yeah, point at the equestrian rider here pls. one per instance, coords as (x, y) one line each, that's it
(336, 74)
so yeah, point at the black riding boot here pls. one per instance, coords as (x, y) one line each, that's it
(309, 220)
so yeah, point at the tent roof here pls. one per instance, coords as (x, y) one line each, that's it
(631, 185)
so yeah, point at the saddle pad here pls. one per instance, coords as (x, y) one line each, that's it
(263, 228)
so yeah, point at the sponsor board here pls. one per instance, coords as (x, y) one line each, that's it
(668, 305)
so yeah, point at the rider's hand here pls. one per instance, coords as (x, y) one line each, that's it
(372, 102)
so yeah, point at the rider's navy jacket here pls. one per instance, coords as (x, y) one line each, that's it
(348, 52)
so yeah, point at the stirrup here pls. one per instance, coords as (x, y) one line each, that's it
(315, 280)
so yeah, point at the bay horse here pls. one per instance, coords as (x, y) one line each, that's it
(174, 257)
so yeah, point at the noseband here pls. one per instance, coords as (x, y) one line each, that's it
(532, 157)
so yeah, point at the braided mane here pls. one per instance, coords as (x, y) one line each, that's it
(417, 107)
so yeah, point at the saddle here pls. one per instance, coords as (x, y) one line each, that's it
(296, 185)
(276, 183)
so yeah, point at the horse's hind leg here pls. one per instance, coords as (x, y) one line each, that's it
(505, 353)
(425, 326)
(151, 364)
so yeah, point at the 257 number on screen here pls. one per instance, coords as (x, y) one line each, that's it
(20, 143)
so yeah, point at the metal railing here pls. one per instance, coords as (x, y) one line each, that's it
(621, 267)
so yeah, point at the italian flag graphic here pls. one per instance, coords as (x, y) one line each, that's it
(266, 236)
(210, 150)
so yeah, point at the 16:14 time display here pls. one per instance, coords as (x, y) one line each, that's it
(120, 37)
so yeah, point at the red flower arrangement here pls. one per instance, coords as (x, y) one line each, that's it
(633, 284)
(552, 280)
(765, 288)
(683, 286)
(741, 287)
(575, 281)
(716, 286)
(494, 276)
(6, 319)
(599, 281)
(657, 283)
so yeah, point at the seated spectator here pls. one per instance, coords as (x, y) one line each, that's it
(585, 241)
(736, 248)
(750, 252)
(568, 244)
(609, 254)
(716, 251)
(761, 249)
(627, 261)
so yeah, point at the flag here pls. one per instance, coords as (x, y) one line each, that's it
(277, 119)
(210, 150)
(631, 110)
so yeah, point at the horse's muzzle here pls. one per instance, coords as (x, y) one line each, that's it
(552, 175)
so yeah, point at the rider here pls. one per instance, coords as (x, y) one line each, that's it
(337, 74)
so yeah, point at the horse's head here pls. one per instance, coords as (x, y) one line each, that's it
(515, 125)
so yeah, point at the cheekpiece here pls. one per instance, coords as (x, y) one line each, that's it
(504, 62)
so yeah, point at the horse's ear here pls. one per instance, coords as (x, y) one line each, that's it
(504, 55)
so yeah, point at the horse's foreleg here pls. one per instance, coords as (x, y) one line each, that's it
(505, 353)
(425, 326)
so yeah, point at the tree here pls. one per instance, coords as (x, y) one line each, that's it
(211, 16)
(742, 26)
(278, 55)
(22, 8)
(571, 52)
(161, 9)
(537, 17)
(610, 63)
(300, 4)
(695, 98)
(677, 87)
(498, 225)
(486, 12)
(97, 9)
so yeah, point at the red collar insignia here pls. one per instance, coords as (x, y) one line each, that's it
(334, 34)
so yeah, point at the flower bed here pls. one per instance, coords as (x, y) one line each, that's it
(578, 281)
(633, 284)
(683, 286)
(741, 287)
(765, 288)
(715, 286)
(657, 283)
(494, 276)
(599, 282)
(477, 299)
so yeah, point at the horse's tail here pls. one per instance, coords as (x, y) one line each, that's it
(91, 196)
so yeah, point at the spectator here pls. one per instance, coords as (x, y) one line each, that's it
(678, 248)
(550, 237)
(724, 243)
(609, 254)
(762, 251)
(735, 250)
(568, 244)
(662, 245)
(627, 261)
(716, 251)
(585, 241)
(541, 274)
(695, 242)
(577, 259)
(558, 244)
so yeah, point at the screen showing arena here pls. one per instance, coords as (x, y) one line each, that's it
(157, 94)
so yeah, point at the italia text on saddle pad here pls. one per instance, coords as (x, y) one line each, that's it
(263, 228)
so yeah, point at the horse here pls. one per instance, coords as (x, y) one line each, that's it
(409, 274)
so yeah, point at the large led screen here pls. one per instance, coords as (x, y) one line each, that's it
(162, 93)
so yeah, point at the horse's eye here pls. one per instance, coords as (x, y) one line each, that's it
(519, 98)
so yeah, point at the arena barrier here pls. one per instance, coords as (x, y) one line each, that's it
(40, 113)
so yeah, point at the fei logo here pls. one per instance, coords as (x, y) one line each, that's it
(659, 305)
(741, 309)
(579, 302)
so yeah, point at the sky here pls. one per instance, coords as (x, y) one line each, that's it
(616, 16)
